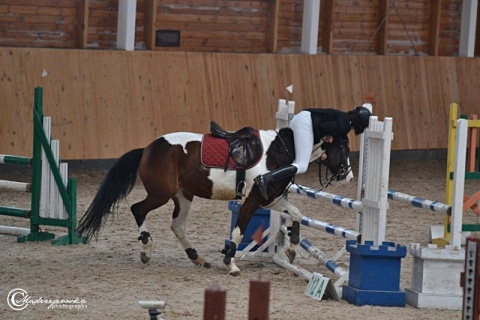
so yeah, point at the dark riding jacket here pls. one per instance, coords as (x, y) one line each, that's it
(331, 122)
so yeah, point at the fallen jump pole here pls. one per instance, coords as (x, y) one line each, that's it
(287, 265)
(318, 255)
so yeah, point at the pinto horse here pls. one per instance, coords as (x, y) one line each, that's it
(171, 168)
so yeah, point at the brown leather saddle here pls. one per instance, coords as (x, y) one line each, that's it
(245, 146)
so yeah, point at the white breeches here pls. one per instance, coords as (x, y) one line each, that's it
(302, 128)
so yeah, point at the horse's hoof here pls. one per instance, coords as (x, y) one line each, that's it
(202, 263)
(291, 254)
(144, 257)
(234, 273)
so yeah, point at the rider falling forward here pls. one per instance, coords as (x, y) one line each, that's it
(309, 127)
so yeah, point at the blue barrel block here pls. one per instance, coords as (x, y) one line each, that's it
(261, 216)
(374, 274)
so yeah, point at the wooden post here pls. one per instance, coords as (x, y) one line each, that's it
(383, 7)
(472, 137)
(327, 38)
(214, 305)
(149, 24)
(258, 306)
(272, 25)
(434, 31)
(81, 24)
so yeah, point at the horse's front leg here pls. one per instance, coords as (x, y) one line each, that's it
(246, 212)
(179, 228)
(229, 258)
(284, 206)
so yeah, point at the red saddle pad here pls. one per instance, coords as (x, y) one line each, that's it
(215, 152)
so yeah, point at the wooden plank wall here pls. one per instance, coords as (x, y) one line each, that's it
(104, 103)
(216, 26)
(40, 23)
(348, 26)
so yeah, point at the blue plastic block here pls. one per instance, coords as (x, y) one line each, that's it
(373, 298)
(374, 274)
(261, 216)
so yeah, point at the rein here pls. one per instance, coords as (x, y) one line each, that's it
(343, 171)
(289, 157)
(285, 146)
(332, 177)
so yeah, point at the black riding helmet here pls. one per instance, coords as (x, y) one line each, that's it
(359, 118)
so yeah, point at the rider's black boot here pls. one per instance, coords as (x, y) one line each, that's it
(262, 181)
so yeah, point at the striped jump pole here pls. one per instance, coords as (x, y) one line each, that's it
(420, 202)
(327, 197)
(331, 289)
(327, 227)
(319, 255)
(358, 205)
(287, 265)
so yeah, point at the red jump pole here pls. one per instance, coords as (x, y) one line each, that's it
(214, 305)
(258, 306)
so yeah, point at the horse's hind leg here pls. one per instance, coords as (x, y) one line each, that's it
(140, 211)
(183, 202)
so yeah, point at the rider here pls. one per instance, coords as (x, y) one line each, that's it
(309, 127)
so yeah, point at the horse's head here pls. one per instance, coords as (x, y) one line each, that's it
(335, 157)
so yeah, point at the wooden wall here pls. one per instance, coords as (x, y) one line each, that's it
(104, 103)
(404, 27)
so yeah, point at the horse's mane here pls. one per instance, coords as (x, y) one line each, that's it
(282, 149)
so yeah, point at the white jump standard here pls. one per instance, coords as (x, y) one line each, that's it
(374, 256)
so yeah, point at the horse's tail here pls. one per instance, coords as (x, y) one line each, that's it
(118, 183)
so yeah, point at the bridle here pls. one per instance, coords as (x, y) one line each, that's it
(343, 171)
